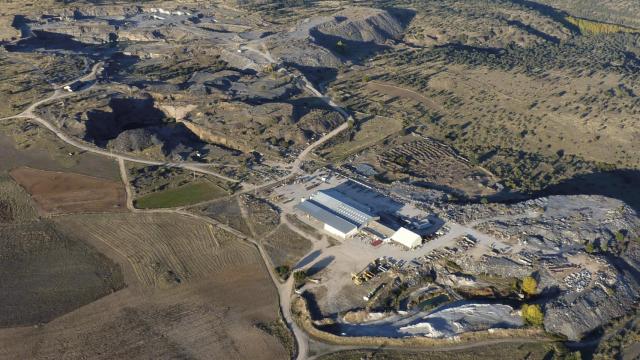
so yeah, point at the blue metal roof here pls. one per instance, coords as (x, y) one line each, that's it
(322, 214)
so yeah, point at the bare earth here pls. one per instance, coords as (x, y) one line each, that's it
(212, 312)
(62, 193)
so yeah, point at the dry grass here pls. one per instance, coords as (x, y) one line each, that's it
(47, 273)
(285, 247)
(368, 134)
(543, 128)
(227, 211)
(212, 317)
(261, 217)
(164, 249)
(23, 143)
(15, 204)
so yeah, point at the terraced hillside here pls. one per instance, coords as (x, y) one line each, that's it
(161, 251)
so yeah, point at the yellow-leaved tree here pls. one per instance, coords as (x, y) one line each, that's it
(532, 314)
(529, 285)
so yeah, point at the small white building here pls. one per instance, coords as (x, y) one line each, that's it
(407, 238)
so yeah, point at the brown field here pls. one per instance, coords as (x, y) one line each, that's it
(285, 247)
(191, 293)
(46, 273)
(166, 251)
(262, 218)
(60, 193)
(227, 211)
(213, 318)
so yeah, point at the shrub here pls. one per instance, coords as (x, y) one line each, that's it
(283, 271)
(529, 285)
(299, 276)
(532, 314)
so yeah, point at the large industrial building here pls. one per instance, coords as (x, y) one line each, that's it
(344, 217)
(340, 215)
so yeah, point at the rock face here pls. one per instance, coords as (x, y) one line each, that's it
(574, 315)
(580, 288)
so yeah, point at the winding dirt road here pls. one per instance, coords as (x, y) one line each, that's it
(284, 288)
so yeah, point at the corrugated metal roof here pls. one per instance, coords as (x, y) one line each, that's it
(343, 206)
(326, 216)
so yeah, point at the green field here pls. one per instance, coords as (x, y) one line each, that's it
(184, 195)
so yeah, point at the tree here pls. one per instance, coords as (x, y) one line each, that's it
(619, 236)
(589, 248)
(574, 356)
(283, 271)
(532, 314)
(300, 276)
(604, 247)
(484, 201)
(529, 285)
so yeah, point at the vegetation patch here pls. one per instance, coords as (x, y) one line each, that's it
(227, 211)
(181, 196)
(279, 330)
(286, 247)
(597, 27)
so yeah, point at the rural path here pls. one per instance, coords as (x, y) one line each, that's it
(127, 185)
(459, 347)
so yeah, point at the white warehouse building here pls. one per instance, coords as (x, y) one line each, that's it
(340, 215)
(344, 217)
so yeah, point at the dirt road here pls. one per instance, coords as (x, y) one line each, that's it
(466, 346)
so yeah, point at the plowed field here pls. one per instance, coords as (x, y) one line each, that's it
(193, 291)
(62, 193)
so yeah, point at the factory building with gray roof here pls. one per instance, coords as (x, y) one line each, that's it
(340, 215)
(343, 216)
